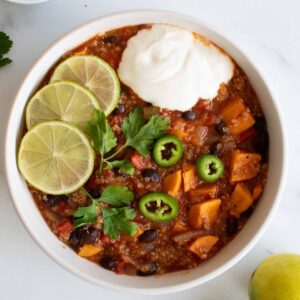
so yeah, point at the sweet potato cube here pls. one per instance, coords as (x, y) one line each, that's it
(244, 165)
(240, 200)
(257, 191)
(179, 226)
(202, 245)
(189, 177)
(88, 250)
(237, 116)
(233, 109)
(204, 214)
(206, 191)
(171, 184)
(241, 123)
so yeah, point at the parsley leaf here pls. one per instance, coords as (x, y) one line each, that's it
(133, 123)
(124, 165)
(116, 220)
(86, 215)
(116, 195)
(102, 134)
(5, 45)
(141, 136)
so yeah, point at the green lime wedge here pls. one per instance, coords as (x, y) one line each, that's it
(95, 74)
(56, 157)
(63, 100)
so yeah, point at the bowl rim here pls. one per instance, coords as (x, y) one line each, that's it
(224, 266)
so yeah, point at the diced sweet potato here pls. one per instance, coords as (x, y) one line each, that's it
(237, 116)
(244, 165)
(189, 177)
(257, 191)
(204, 214)
(202, 245)
(179, 226)
(88, 250)
(233, 109)
(241, 123)
(206, 191)
(172, 183)
(179, 133)
(240, 200)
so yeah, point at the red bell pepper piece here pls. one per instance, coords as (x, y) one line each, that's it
(138, 161)
(247, 135)
(65, 227)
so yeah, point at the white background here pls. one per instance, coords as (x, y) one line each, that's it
(267, 30)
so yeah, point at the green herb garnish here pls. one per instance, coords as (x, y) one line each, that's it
(138, 134)
(115, 220)
(5, 45)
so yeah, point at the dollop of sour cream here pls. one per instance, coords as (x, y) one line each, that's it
(172, 68)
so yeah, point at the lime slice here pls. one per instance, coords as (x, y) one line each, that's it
(95, 74)
(56, 157)
(63, 100)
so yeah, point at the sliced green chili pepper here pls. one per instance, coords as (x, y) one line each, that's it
(167, 151)
(158, 207)
(209, 167)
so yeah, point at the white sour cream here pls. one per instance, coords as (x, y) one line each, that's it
(170, 68)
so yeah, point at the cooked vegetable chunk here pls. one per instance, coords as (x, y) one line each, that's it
(88, 250)
(257, 191)
(202, 245)
(240, 200)
(189, 177)
(237, 116)
(244, 165)
(204, 214)
(172, 183)
(206, 191)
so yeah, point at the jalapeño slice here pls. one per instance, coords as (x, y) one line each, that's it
(209, 167)
(167, 151)
(158, 207)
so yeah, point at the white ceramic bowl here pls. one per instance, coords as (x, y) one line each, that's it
(172, 282)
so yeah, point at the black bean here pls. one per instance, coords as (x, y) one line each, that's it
(261, 144)
(111, 39)
(148, 236)
(52, 200)
(120, 109)
(189, 115)
(90, 235)
(216, 148)
(260, 123)
(221, 127)
(75, 239)
(147, 270)
(232, 225)
(152, 174)
(108, 262)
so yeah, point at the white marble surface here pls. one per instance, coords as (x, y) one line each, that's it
(267, 30)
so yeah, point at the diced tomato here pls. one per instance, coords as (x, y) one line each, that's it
(105, 239)
(138, 161)
(247, 135)
(65, 227)
(106, 173)
(120, 268)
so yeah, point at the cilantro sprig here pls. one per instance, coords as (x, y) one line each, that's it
(139, 135)
(5, 45)
(116, 219)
